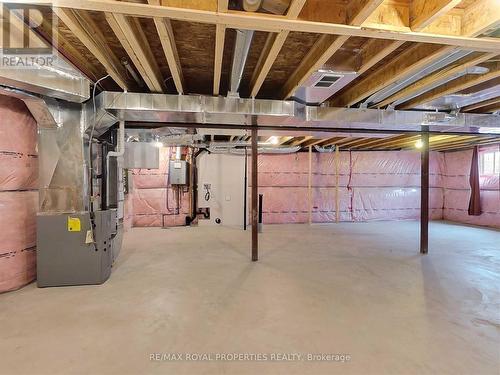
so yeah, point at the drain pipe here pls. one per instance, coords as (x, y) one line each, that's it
(115, 154)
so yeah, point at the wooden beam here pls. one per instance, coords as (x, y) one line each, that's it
(95, 44)
(493, 107)
(272, 48)
(390, 142)
(480, 17)
(270, 23)
(454, 86)
(359, 11)
(390, 15)
(424, 12)
(301, 140)
(370, 142)
(220, 35)
(131, 36)
(440, 76)
(326, 46)
(166, 34)
(407, 63)
(477, 107)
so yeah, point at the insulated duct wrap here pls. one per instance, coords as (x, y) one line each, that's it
(18, 195)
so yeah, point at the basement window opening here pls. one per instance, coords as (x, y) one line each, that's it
(489, 163)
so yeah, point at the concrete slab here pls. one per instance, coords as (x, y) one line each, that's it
(356, 289)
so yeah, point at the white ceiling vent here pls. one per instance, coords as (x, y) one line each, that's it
(323, 84)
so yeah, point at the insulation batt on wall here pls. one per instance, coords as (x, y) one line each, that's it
(372, 186)
(457, 191)
(153, 199)
(18, 194)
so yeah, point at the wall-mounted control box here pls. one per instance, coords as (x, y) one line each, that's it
(178, 172)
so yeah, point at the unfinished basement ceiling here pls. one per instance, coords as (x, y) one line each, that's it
(202, 52)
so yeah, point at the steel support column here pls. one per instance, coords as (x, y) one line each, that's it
(424, 194)
(255, 198)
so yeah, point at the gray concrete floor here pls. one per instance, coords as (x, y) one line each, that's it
(356, 289)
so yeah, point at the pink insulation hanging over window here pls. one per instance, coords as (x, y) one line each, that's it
(457, 187)
(18, 194)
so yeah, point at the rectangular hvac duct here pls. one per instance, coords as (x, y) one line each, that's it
(321, 85)
(141, 155)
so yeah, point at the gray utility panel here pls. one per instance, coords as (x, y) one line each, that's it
(64, 254)
(178, 172)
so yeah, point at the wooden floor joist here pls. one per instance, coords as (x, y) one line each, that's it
(166, 35)
(95, 44)
(455, 86)
(411, 61)
(273, 46)
(325, 48)
(130, 34)
(442, 75)
(270, 23)
(220, 34)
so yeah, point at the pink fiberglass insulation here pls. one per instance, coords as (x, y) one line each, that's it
(372, 186)
(17, 245)
(18, 197)
(158, 207)
(154, 202)
(457, 191)
(128, 212)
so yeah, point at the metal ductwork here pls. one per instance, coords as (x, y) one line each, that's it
(260, 150)
(36, 105)
(453, 101)
(55, 80)
(321, 85)
(401, 84)
(441, 81)
(152, 110)
(242, 44)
